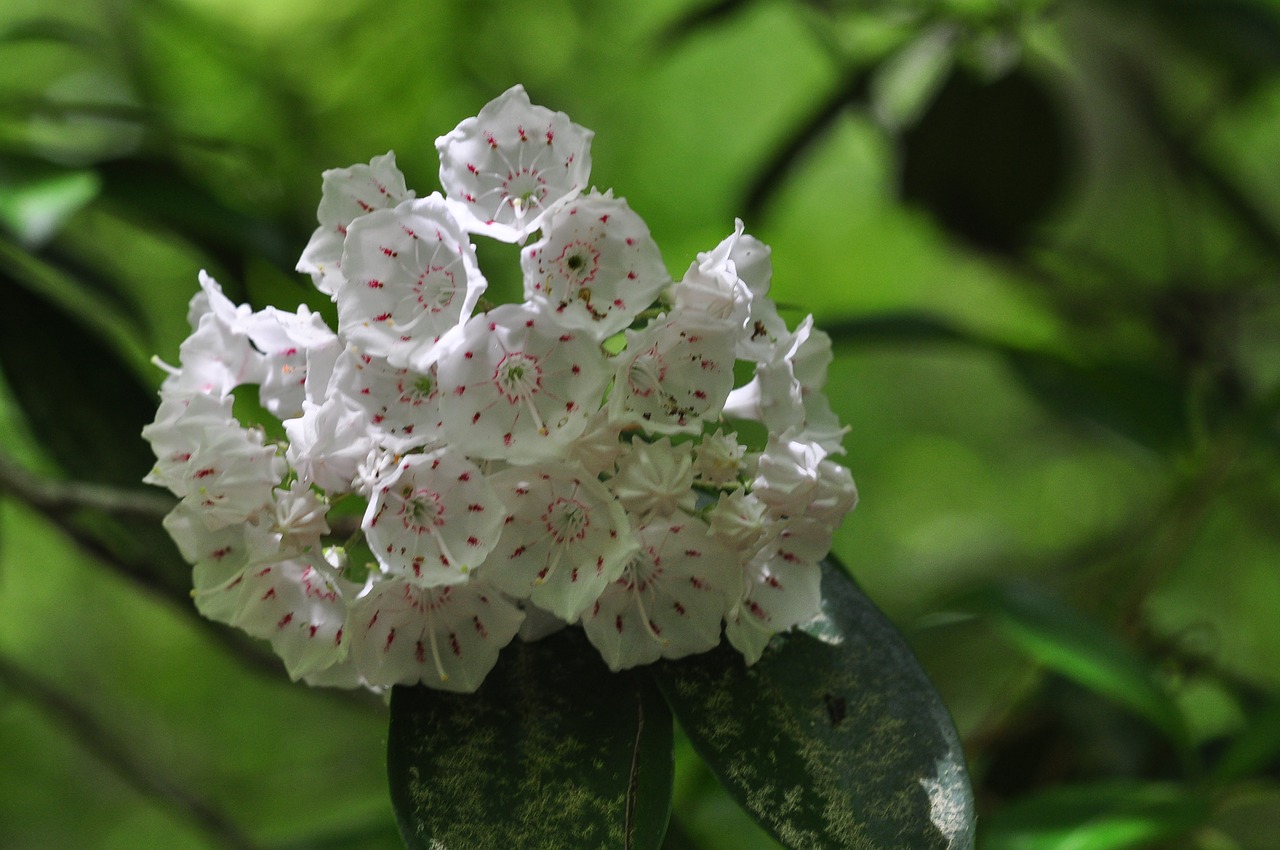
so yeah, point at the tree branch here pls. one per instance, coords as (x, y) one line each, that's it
(94, 737)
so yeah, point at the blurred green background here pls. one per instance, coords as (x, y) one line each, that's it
(1044, 236)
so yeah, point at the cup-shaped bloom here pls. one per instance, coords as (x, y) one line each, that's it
(673, 373)
(596, 265)
(433, 518)
(219, 469)
(348, 194)
(219, 558)
(564, 540)
(301, 607)
(445, 637)
(410, 275)
(289, 342)
(401, 406)
(218, 356)
(778, 592)
(518, 386)
(669, 600)
(508, 167)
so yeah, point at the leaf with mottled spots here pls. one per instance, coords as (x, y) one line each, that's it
(835, 738)
(552, 751)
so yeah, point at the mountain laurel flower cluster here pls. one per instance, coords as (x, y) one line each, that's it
(446, 475)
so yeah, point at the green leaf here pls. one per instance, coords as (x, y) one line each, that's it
(835, 738)
(1103, 816)
(81, 398)
(1084, 651)
(1256, 747)
(37, 199)
(552, 751)
(163, 195)
(989, 159)
(1251, 817)
(1137, 399)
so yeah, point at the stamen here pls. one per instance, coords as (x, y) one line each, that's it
(644, 615)
(435, 647)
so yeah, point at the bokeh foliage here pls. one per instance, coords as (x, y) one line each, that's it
(1044, 236)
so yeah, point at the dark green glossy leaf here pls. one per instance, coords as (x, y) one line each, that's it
(835, 738)
(552, 751)
(1063, 640)
(1104, 816)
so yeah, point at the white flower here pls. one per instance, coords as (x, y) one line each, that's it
(433, 519)
(718, 459)
(750, 258)
(711, 285)
(598, 447)
(786, 392)
(300, 606)
(740, 521)
(518, 386)
(289, 342)
(328, 442)
(513, 472)
(566, 538)
(348, 193)
(219, 558)
(206, 459)
(218, 356)
(673, 373)
(596, 265)
(510, 166)
(777, 594)
(300, 518)
(402, 407)
(182, 422)
(445, 637)
(410, 276)
(787, 474)
(655, 479)
(836, 494)
(670, 599)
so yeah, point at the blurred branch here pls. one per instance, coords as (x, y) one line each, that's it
(1183, 149)
(54, 504)
(94, 737)
(56, 500)
(770, 177)
(48, 495)
(698, 18)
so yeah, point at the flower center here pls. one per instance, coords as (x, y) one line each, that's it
(518, 376)
(646, 373)
(524, 190)
(422, 510)
(435, 288)
(578, 263)
(567, 519)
